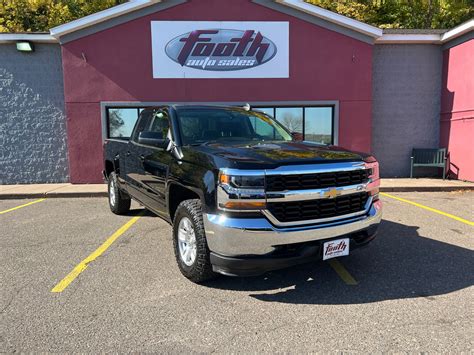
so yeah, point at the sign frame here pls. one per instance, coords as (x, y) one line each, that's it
(164, 32)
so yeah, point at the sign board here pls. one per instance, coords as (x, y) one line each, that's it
(209, 49)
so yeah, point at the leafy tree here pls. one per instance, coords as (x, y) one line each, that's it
(116, 123)
(403, 13)
(41, 15)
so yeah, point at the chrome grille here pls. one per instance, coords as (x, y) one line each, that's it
(318, 209)
(316, 181)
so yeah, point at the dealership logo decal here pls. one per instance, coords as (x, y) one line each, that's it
(221, 50)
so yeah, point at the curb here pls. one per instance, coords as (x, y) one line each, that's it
(427, 189)
(20, 196)
(52, 194)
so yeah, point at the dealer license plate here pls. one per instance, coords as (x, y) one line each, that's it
(336, 248)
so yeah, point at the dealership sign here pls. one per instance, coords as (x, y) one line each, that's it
(184, 49)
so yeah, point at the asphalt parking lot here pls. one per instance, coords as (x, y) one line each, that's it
(410, 290)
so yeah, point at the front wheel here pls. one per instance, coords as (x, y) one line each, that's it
(190, 245)
(119, 203)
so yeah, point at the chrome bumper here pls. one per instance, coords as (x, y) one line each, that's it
(257, 236)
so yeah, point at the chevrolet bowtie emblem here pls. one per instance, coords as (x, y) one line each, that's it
(332, 193)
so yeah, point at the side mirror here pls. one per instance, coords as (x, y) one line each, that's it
(154, 139)
(297, 136)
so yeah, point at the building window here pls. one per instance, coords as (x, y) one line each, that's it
(121, 120)
(318, 124)
(313, 123)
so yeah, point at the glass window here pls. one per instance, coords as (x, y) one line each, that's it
(313, 123)
(291, 118)
(318, 124)
(204, 125)
(160, 123)
(144, 124)
(121, 121)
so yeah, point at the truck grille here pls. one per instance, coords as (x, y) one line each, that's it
(316, 181)
(316, 209)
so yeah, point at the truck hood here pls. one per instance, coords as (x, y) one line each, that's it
(278, 153)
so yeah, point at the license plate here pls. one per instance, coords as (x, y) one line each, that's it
(336, 248)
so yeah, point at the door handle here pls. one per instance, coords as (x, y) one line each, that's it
(142, 157)
(127, 154)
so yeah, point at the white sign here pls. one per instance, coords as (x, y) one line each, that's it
(208, 49)
(336, 248)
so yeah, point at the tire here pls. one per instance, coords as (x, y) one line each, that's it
(188, 217)
(119, 202)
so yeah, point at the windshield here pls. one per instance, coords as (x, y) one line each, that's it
(205, 125)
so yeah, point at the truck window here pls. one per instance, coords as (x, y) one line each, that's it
(210, 124)
(160, 122)
(142, 124)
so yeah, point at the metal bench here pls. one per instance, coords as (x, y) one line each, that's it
(433, 158)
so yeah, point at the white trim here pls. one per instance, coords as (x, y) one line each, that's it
(332, 17)
(125, 8)
(458, 31)
(101, 16)
(409, 38)
(427, 38)
(32, 37)
(300, 5)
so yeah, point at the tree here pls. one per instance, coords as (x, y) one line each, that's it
(116, 123)
(292, 123)
(403, 13)
(41, 15)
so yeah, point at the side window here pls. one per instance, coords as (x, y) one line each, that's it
(160, 122)
(121, 122)
(263, 129)
(143, 123)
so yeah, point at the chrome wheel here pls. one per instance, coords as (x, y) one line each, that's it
(112, 194)
(187, 241)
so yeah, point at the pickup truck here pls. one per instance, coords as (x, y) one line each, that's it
(243, 195)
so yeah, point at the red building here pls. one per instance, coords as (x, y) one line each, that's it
(333, 79)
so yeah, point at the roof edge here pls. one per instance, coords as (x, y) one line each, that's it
(394, 38)
(391, 38)
(131, 6)
(333, 17)
(31, 37)
(101, 16)
(458, 31)
(300, 5)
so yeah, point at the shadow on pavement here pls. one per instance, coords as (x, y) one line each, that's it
(140, 212)
(398, 264)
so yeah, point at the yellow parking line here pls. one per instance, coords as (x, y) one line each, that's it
(459, 219)
(342, 272)
(25, 205)
(98, 252)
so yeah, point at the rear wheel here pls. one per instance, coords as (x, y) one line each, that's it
(119, 202)
(190, 245)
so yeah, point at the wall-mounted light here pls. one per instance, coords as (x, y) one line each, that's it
(25, 46)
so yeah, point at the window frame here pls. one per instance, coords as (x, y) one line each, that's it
(105, 105)
(304, 107)
(107, 113)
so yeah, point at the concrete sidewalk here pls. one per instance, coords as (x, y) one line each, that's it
(100, 190)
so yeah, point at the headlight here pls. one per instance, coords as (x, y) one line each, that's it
(241, 192)
(374, 175)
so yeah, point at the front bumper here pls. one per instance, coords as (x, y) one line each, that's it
(248, 246)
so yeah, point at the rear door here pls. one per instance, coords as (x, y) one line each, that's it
(148, 166)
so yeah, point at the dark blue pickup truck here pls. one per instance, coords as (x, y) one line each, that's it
(243, 195)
